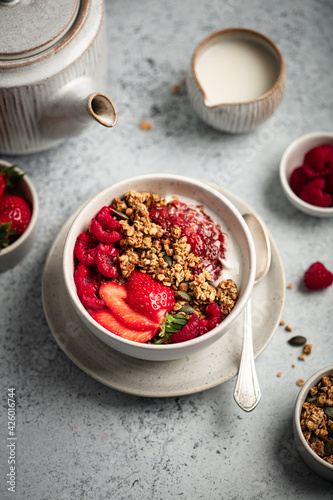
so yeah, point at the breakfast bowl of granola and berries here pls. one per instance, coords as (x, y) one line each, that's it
(159, 266)
(18, 215)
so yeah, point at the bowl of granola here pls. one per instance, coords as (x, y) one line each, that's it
(313, 423)
(159, 266)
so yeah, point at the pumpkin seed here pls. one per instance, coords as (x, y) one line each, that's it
(186, 309)
(297, 341)
(184, 295)
(313, 438)
(211, 284)
(311, 399)
(168, 260)
(328, 410)
(328, 450)
(121, 214)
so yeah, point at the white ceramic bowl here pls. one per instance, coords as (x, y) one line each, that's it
(15, 252)
(164, 185)
(317, 464)
(292, 158)
(239, 115)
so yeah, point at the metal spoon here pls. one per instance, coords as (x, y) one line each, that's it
(247, 391)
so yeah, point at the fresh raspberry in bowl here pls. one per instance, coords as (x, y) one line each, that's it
(306, 174)
(141, 282)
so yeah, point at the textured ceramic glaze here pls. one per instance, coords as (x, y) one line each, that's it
(318, 465)
(236, 117)
(292, 158)
(164, 185)
(15, 252)
(50, 95)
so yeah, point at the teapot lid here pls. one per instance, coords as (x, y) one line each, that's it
(28, 28)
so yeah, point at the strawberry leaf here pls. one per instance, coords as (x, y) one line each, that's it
(10, 174)
(5, 234)
(171, 324)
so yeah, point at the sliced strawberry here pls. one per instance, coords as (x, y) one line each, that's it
(15, 209)
(114, 296)
(148, 297)
(108, 320)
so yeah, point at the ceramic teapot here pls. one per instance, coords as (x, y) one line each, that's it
(53, 69)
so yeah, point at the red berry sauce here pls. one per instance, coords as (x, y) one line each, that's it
(205, 236)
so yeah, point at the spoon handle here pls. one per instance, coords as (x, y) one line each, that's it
(247, 391)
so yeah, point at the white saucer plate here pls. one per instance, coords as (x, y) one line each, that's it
(208, 368)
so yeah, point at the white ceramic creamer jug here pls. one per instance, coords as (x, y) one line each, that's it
(53, 69)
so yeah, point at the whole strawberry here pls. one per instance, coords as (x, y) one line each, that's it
(318, 277)
(149, 297)
(15, 215)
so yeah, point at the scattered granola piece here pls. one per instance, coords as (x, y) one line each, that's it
(176, 89)
(302, 357)
(144, 125)
(279, 374)
(290, 286)
(300, 381)
(293, 365)
(289, 328)
(282, 322)
(307, 349)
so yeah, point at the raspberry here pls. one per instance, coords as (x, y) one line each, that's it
(297, 180)
(318, 161)
(318, 277)
(87, 284)
(85, 249)
(102, 234)
(314, 193)
(189, 331)
(329, 184)
(106, 260)
(105, 217)
(214, 315)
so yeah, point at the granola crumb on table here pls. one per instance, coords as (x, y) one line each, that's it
(316, 419)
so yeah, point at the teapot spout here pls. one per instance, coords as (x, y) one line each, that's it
(73, 109)
(102, 109)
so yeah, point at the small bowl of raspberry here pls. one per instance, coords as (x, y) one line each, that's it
(159, 266)
(306, 174)
(18, 215)
(313, 423)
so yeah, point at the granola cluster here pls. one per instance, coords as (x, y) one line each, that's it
(167, 257)
(317, 419)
